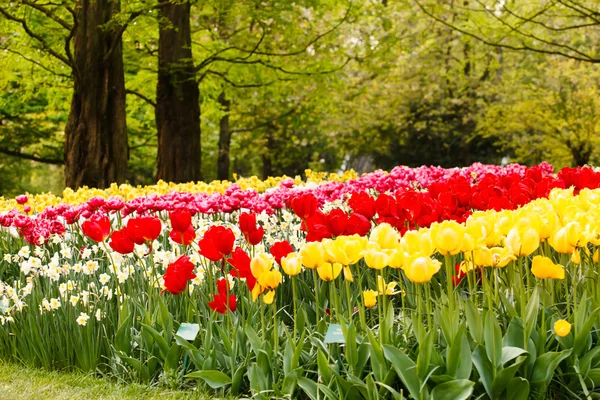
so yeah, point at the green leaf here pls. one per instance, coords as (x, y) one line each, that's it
(474, 322)
(406, 370)
(493, 339)
(173, 356)
(290, 381)
(581, 337)
(503, 377)
(324, 368)
(158, 338)
(309, 386)
(544, 367)
(484, 368)
(453, 360)
(459, 389)
(509, 353)
(424, 356)
(518, 389)
(213, 378)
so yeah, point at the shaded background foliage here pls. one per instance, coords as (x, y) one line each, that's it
(325, 85)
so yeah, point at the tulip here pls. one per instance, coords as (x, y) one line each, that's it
(448, 237)
(269, 297)
(144, 229)
(292, 264)
(386, 289)
(181, 220)
(385, 236)
(370, 298)
(522, 242)
(420, 269)
(97, 228)
(217, 243)
(178, 274)
(240, 261)
(121, 241)
(375, 258)
(544, 268)
(567, 238)
(312, 255)
(280, 250)
(220, 301)
(184, 238)
(328, 272)
(562, 328)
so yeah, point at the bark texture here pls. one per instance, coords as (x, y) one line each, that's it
(177, 98)
(96, 149)
(223, 159)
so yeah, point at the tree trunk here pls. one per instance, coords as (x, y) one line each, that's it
(224, 140)
(96, 148)
(177, 98)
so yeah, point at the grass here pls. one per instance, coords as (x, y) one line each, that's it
(18, 382)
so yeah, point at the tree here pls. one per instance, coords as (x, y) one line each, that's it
(84, 38)
(177, 98)
(567, 28)
(96, 133)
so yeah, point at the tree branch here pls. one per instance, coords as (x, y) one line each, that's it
(141, 96)
(49, 14)
(31, 157)
(37, 37)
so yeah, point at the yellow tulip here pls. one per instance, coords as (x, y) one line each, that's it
(292, 264)
(595, 257)
(576, 257)
(269, 297)
(353, 246)
(270, 279)
(260, 264)
(481, 257)
(567, 238)
(328, 272)
(375, 257)
(348, 274)
(370, 298)
(448, 237)
(420, 269)
(417, 242)
(312, 255)
(501, 256)
(385, 236)
(522, 242)
(544, 268)
(395, 258)
(562, 328)
(386, 289)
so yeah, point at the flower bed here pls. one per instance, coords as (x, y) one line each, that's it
(431, 283)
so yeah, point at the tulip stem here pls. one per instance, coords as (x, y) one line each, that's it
(450, 289)
(317, 305)
(295, 306)
(349, 299)
(361, 310)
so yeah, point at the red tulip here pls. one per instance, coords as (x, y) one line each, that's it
(144, 229)
(252, 234)
(97, 228)
(304, 205)
(217, 242)
(181, 220)
(240, 261)
(121, 241)
(362, 203)
(178, 274)
(184, 238)
(280, 250)
(358, 224)
(337, 220)
(219, 303)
